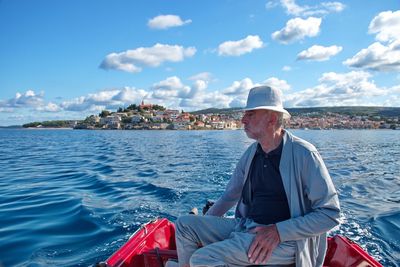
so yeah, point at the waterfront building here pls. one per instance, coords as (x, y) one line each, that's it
(111, 122)
(137, 119)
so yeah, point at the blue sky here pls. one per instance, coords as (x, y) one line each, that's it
(66, 59)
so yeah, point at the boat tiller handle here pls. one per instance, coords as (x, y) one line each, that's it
(160, 260)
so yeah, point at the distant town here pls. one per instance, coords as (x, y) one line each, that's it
(146, 116)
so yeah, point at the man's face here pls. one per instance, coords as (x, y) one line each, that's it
(256, 123)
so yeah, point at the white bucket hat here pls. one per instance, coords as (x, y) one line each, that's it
(265, 97)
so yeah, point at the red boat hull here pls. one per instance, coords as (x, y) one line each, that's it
(155, 243)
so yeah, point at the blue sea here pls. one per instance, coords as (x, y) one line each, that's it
(71, 197)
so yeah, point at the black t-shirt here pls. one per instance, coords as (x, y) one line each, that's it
(266, 198)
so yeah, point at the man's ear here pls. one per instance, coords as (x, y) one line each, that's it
(273, 118)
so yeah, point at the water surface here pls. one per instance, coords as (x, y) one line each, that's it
(71, 198)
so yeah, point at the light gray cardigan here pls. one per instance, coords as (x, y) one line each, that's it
(313, 201)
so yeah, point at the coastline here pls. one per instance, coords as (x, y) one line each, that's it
(107, 129)
(48, 128)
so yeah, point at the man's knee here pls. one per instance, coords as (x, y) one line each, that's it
(183, 221)
(187, 224)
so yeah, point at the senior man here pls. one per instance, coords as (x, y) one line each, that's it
(286, 201)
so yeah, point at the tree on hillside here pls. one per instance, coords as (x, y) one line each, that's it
(32, 124)
(132, 107)
(104, 113)
(126, 120)
(158, 107)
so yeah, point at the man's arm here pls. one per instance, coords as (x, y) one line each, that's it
(321, 197)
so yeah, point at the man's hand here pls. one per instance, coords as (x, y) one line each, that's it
(266, 240)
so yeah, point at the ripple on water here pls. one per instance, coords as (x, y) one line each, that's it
(387, 225)
(65, 222)
(147, 173)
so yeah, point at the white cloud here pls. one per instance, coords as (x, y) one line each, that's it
(319, 53)
(79, 104)
(205, 76)
(334, 89)
(166, 21)
(271, 4)
(216, 99)
(172, 87)
(276, 83)
(395, 89)
(206, 100)
(394, 97)
(297, 29)
(200, 85)
(386, 26)
(287, 68)
(133, 60)
(29, 99)
(377, 57)
(333, 6)
(119, 61)
(324, 8)
(129, 95)
(171, 93)
(28, 102)
(392, 101)
(174, 94)
(385, 54)
(237, 92)
(6, 110)
(292, 8)
(50, 107)
(237, 48)
(239, 87)
(173, 83)
(339, 89)
(106, 99)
